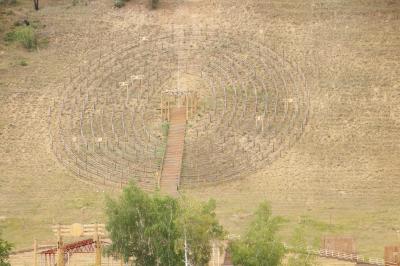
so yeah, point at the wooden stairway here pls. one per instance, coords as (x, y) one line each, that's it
(173, 157)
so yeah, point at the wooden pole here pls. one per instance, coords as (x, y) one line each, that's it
(195, 103)
(168, 115)
(262, 124)
(60, 249)
(97, 245)
(190, 103)
(187, 107)
(127, 95)
(162, 110)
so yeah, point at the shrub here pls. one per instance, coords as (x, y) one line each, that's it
(24, 35)
(165, 129)
(8, 2)
(260, 245)
(119, 3)
(23, 62)
(156, 229)
(153, 4)
(5, 249)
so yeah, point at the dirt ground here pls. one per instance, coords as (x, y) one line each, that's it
(342, 177)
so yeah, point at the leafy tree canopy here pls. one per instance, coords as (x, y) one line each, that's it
(299, 255)
(5, 249)
(260, 245)
(152, 229)
(200, 226)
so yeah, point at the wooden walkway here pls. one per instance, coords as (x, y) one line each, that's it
(171, 170)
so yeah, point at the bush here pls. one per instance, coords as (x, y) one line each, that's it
(24, 35)
(8, 2)
(119, 3)
(260, 245)
(153, 4)
(22, 62)
(156, 229)
(299, 255)
(165, 129)
(5, 249)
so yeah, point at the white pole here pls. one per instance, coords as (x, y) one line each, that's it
(218, 255)
(186, 257)
(35, 246)
(213, 253)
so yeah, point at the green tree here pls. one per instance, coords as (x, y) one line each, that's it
(299, 255)
(152, 229)
(5, 249)
(200, 226)
(143, 227)
(36, 4)
(153, 4)
(260, 245)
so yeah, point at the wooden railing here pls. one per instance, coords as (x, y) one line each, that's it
(333, 254)
(338, 255)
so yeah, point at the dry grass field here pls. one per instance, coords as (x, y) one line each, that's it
(342, 176)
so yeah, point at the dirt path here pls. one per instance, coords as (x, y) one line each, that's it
(174, 153)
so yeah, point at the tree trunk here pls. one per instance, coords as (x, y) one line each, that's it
(36, 3)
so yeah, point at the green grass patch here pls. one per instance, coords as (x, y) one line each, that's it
(119, 3)
(160, 153)
(160, 150)
(79, 203)
(165, 129)
(25, 35)
(317, 225)
(8, 2)
(6, 12)
(22, 62)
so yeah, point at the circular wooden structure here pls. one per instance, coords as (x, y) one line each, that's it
(251, 105)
